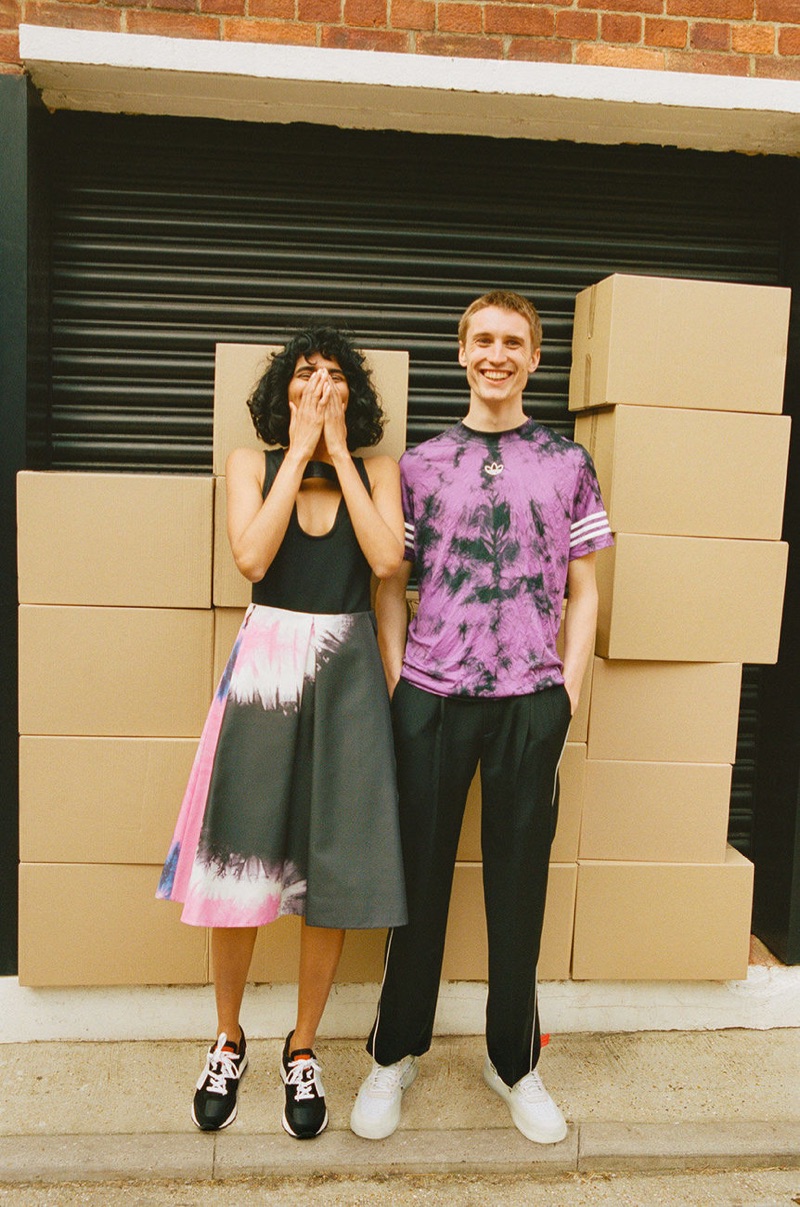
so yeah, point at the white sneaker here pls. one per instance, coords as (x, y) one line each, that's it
(376, 1111)
(532, 1108)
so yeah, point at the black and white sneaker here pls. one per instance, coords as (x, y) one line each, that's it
(214, 1105)
(305, 1114)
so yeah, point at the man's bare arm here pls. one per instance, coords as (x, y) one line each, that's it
(580, 623)
(392, 613)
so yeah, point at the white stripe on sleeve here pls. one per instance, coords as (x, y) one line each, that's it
(589, 528)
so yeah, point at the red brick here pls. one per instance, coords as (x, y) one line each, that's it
(9, 14)
(9, 54)
(626, 6)
(533, 51)
(412, 14)
(275, 33)
(666, 33)
(619, 56)
(460, 48)
(753, 39)
(223, 8)
(778, 69)
(787, 11)
(283, 10)
(572, 24)
(722, 10)
(103, 19)
(173, 25)
(183, 6)
(459, 18)
(614, 27)
(369, 13)
(710, 35)
(339, 38)
(318, 10)
(525, 20)
(707, 64)
(789, 41)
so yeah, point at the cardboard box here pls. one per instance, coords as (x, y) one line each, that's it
(276, 958)
(655, 812)
(100, 800)
(227, 622)
(114, 672)
(231, 589)
(690, 599)
(663, 921)
(689, 473)
(102, 925)
(466, 949)
(670, 712)
(239, 367)
(572, 774)
(656, 341)
(135, 540)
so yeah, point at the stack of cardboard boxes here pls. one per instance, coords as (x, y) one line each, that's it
(116, 634)
(130, 602)
(691, 452)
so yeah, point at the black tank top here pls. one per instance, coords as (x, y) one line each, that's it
(326, 573)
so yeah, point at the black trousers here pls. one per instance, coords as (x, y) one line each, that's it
(518, 742)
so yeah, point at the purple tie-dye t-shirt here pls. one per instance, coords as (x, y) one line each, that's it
(492, 522)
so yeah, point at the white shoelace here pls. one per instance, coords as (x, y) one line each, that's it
(298, 1075)
(221, 1068)
(384, 1079)
(531, 1088)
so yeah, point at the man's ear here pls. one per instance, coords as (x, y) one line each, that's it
(534, 361)
(462, 355)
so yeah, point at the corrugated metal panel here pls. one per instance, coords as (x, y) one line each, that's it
(170, 235)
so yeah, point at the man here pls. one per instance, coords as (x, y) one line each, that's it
(502, 516)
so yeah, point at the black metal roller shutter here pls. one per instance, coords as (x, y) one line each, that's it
(172, 234)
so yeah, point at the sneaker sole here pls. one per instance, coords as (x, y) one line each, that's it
(287, 1127)
(217, 1127)
(369, 1131)
(496, 1083)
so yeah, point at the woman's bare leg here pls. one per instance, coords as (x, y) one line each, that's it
(320, 949)
(231, 953)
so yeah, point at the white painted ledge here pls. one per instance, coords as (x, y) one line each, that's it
(768, 998)
(372, 90)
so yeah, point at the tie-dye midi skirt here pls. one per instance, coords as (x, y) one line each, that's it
(291, 806)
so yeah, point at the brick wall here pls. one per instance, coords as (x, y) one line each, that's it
(725, 37)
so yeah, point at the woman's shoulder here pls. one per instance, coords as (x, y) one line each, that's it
(245, 462)
(381, 468)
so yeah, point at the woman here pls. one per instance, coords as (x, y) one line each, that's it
(291, 805)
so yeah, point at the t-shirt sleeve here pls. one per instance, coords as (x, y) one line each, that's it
(407, 494)
(590, 529)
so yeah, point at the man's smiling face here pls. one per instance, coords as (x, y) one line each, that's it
(498, 355)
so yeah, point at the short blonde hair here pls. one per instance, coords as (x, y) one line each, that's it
(504, 299)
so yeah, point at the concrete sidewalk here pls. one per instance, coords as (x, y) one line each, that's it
(636, 1102)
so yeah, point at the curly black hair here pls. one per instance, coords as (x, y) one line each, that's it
(269, 402)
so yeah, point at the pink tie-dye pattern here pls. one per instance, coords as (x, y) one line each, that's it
(269, 899)
(190, 818)
(269, 659)
(272, 660)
